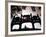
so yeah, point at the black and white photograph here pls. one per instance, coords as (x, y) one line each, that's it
(25, 18)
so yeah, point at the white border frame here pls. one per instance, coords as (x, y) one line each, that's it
(24, 32)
